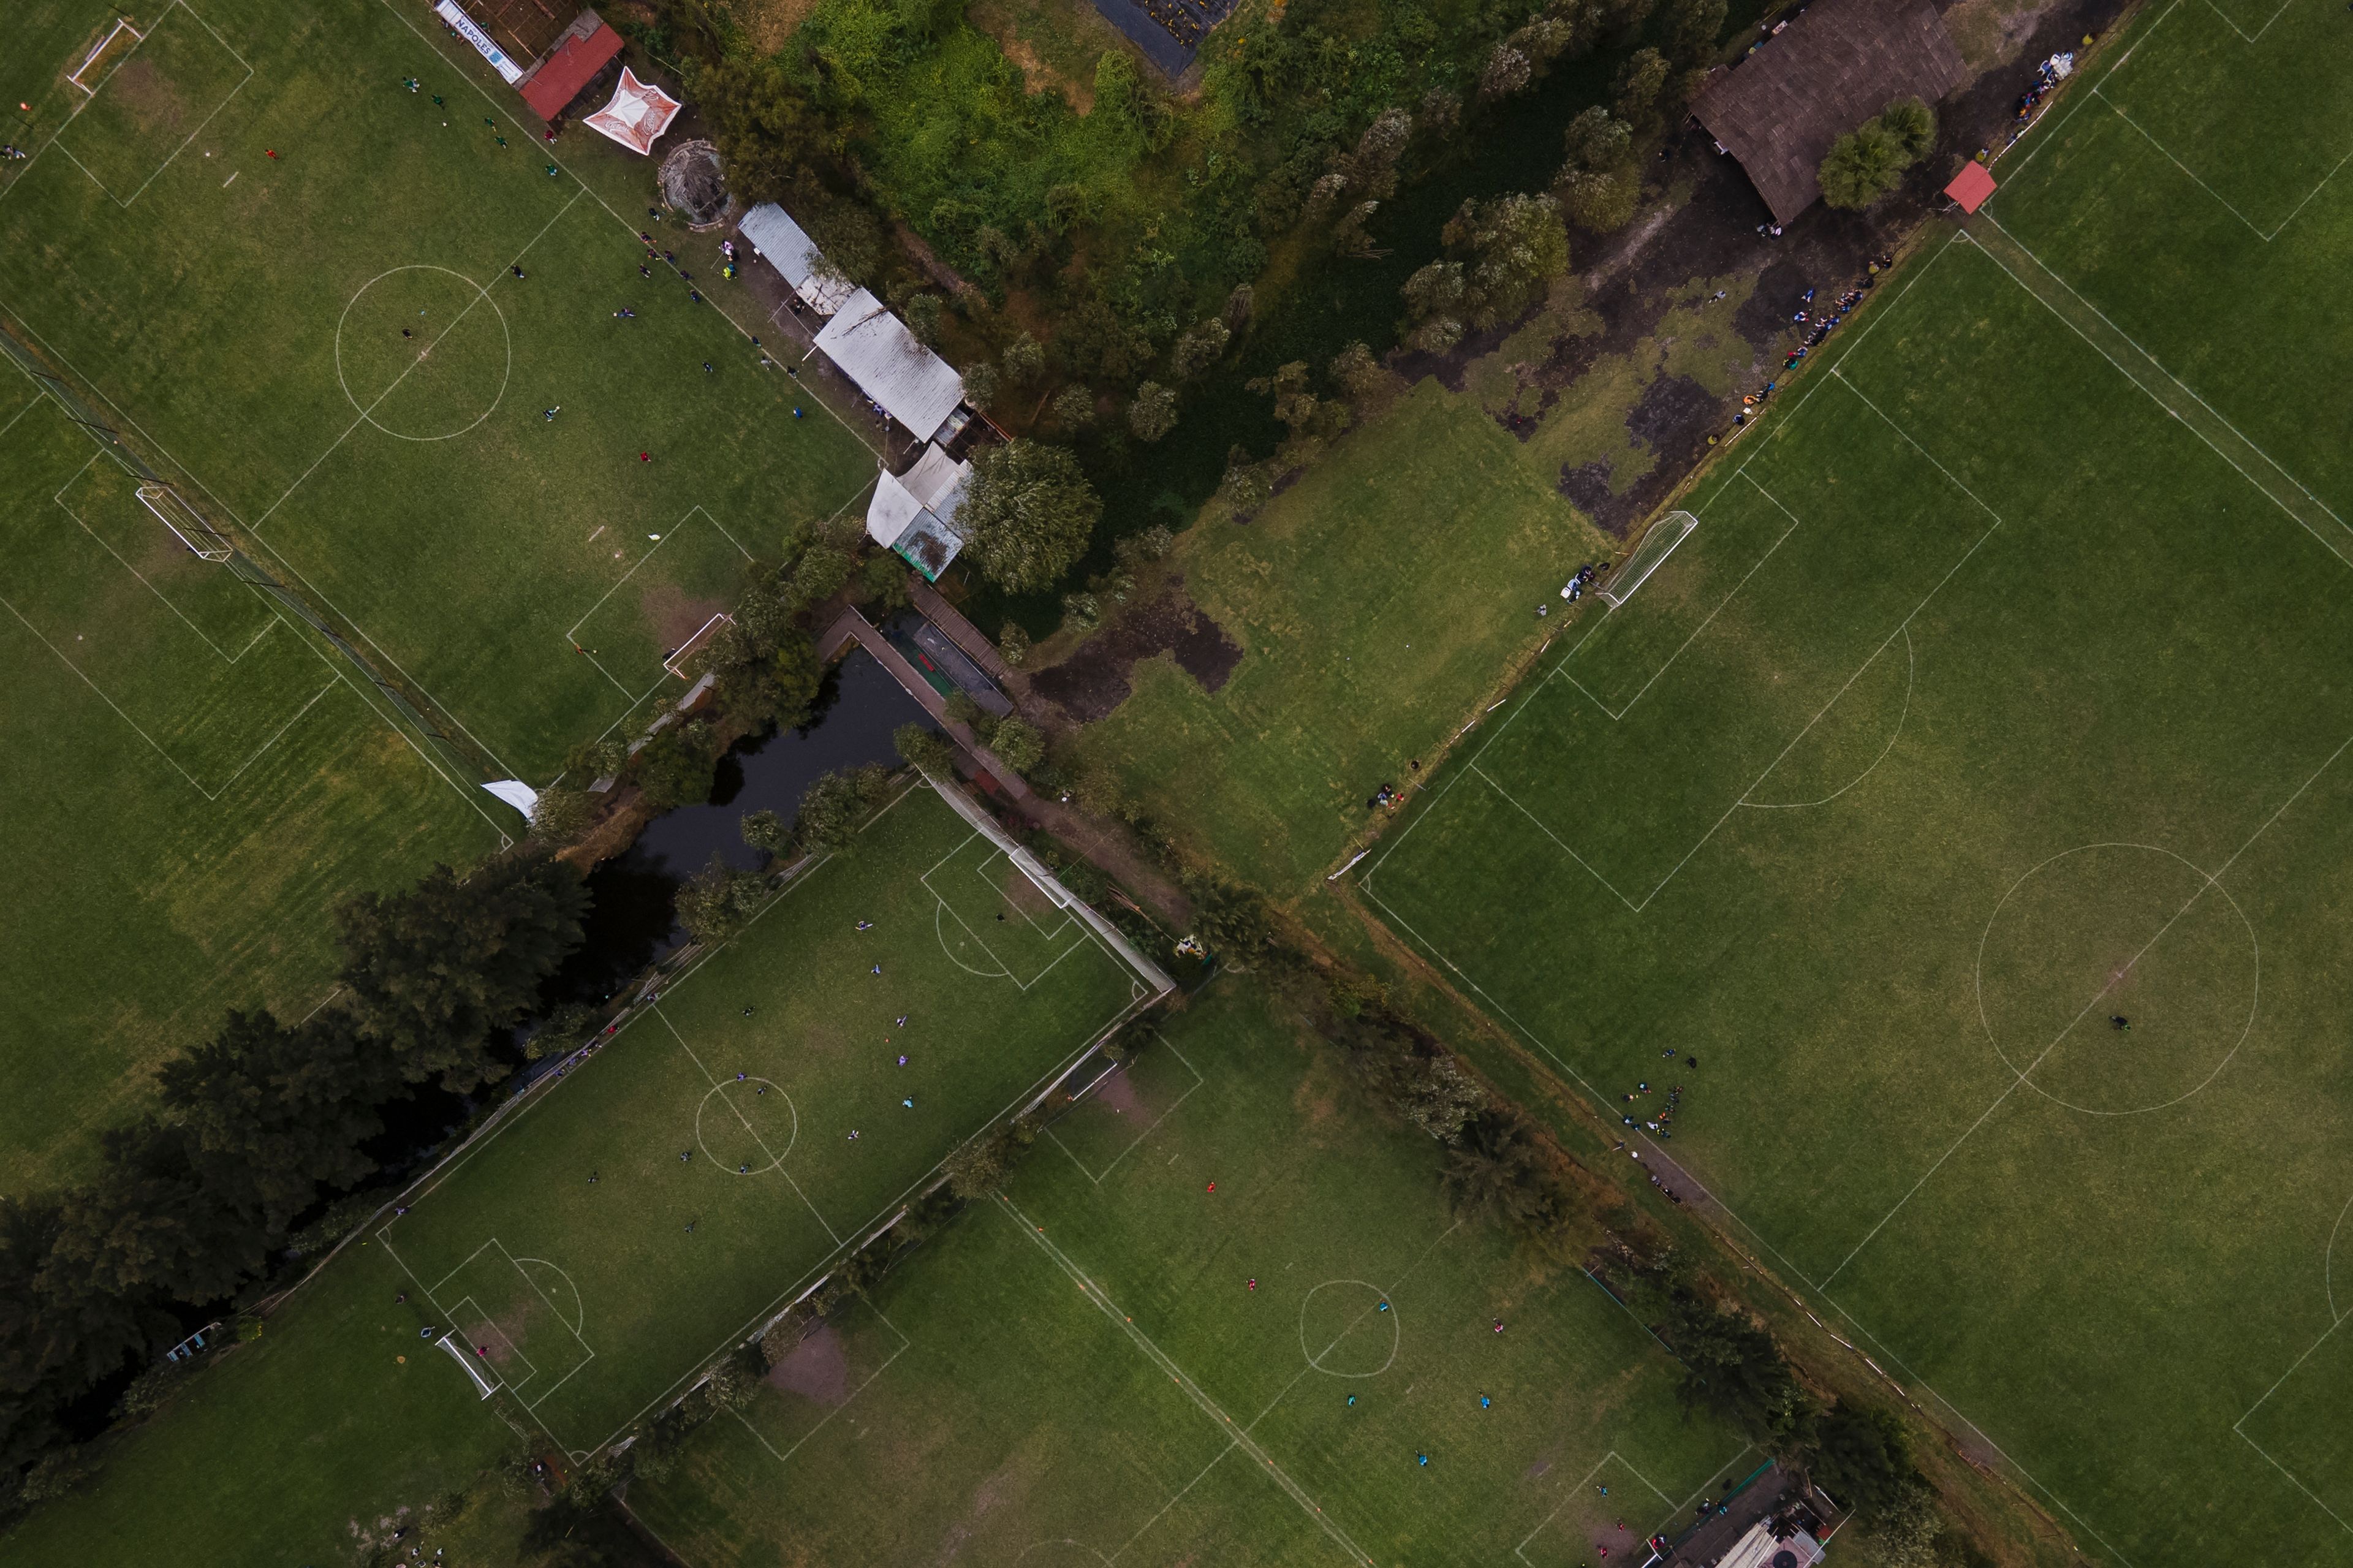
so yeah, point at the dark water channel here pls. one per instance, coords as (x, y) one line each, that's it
(634, 921)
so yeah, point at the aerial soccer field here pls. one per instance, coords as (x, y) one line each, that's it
(1969, 794)
(344, 356)
(1221, 1314)
(341, 312)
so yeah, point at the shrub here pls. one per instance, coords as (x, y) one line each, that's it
(678, 767)
(1018, 744)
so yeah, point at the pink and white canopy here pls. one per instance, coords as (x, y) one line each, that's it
(637, 115)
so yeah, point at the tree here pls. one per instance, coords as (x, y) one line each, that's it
(1861, 1455)
(766, 832)
(1073, 409)
(270, 1114)
(1862, 167)
(430, 974)
(921, 746)
(1640, 82)
(1023, 361)
(1912, 125)
(678, 767)
(1029, 514)
(1507, 71)
(1154, 413)
(836, 804)
(562, 815)
(768, 135)
(1502, 255)
(975, 1168)
(1013, 644)
(720, 901)
(1732, 1365)
(1694, 30)
(980, 383)
(1203, 345)
(1907, 1528)
(1869, 160)
(1018, 744)
(1599, 185)
(1496, 1169)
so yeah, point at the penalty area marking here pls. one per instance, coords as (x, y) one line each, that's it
(1137, 1141)
(903, 1342)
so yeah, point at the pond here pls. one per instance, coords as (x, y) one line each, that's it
(634, 920)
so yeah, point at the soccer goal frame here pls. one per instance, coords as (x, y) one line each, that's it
(99, 50)
(449, 1343)
(187, 525)
(677, 662)
(1659, 542)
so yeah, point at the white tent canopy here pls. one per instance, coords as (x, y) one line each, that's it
(637, 115)
(875, 350)
(795, 256)
(915, 512)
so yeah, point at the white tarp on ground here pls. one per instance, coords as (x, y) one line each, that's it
(637, 115)
(516, 794)
(796, 259)
(452, 13)
(875, 350)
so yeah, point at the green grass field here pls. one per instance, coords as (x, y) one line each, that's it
(594, 1300)
(1082, 1372)
(1988, 702)
(1375, 599)
(610, 1303)
(243, 315)
(194, 779)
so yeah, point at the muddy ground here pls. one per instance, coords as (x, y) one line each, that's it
(1095, 680)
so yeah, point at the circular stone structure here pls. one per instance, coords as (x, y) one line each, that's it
(2117, 931)
(694, 184)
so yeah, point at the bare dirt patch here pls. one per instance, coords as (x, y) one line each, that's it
(152, 100)
(674, 615)
(1095, 679)
(817, 1369)
(767, 23)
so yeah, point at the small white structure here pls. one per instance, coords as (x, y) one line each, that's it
(796, 259)
(1758, 1549)
(637, 115)
(914, 513)
(875, 350)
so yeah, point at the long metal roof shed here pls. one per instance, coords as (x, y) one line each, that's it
(874, 349)
(795, 256)
(1838, 64)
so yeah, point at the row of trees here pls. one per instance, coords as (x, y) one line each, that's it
(256, 1129)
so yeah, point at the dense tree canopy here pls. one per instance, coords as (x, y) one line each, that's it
(1030, 514)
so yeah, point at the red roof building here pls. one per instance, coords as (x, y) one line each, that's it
(584, 48)
(1971, 186)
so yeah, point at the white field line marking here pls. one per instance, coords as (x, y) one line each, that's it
(2299, 1485)
(368, 698)
(226, 657)
(465, 74)
(1763, 1241)
(2118, 110)
(2232, 23)
(2212, 879)
(774, 1163)
(482, 292)
(904, 1344)
(2185, 388)
(1137, 1141)
(1231, 1444)
(1696, 631)
(124, 201)
(440, 1176)
(1910, 676)
(572, 634)
(2328, 1263)
(109, 701)
(1853, 346)
(1193, 1391)
(1673, 1511)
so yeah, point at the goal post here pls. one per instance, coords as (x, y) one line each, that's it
(677, 662)
(103, 53)
(187, 525)
(1658, 542)
(449, 1343)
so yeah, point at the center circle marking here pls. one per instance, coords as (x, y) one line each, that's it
(1316, 1357)
(716, 1103)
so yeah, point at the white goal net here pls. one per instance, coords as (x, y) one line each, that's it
(1659, 542)
(457, 1353)
(187, 525)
